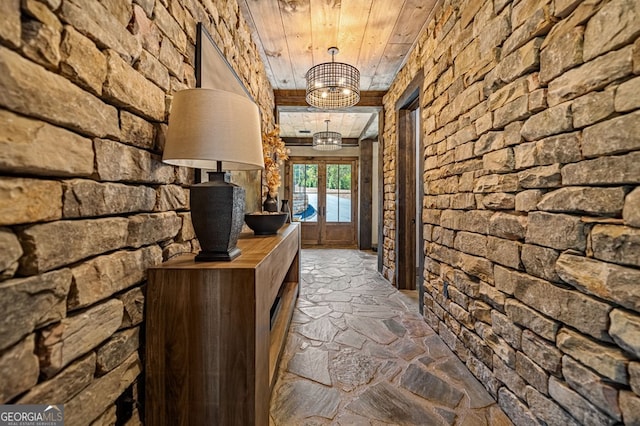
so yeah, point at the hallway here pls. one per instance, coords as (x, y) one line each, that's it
(359, 353)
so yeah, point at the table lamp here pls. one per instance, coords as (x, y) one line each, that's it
(210, 129)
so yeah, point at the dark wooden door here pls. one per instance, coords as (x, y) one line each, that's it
(406, 201)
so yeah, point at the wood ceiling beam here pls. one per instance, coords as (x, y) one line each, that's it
(371, 98)
(372, 120)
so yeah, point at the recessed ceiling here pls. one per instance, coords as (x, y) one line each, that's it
(351, 125)
(373, 35)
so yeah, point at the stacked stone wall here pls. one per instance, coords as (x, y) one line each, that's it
(86, 205)
(531, 212)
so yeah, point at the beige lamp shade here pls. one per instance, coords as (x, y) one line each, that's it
(207, 126)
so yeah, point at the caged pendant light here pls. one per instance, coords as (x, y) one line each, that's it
(333, 85)
(327, 141)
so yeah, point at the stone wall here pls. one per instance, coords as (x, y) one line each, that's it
(86, 205)
(531, 129)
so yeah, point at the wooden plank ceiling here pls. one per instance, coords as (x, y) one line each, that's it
(294, 35)
(305, 124)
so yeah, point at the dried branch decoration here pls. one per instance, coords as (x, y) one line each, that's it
(275, 153)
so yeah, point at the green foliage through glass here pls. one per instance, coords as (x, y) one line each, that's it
(305, 175)
(338, 176)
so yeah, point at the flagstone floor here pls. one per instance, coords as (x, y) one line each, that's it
(359, 353)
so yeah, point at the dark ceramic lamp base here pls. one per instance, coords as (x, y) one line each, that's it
(217, 213)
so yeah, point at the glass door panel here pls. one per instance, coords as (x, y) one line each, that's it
(306, 198)
(338, 190)
(305, 192)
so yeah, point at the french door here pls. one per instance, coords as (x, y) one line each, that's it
(323, 194)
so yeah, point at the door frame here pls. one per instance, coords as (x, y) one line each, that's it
(381, 143)
(409, 264)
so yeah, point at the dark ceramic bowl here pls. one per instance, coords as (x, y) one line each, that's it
(265, 224)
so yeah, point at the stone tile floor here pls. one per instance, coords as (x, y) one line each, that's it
(359, 353)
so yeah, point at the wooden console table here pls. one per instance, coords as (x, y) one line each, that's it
(212, 349)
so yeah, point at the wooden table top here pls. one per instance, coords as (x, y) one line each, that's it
(254, 249)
